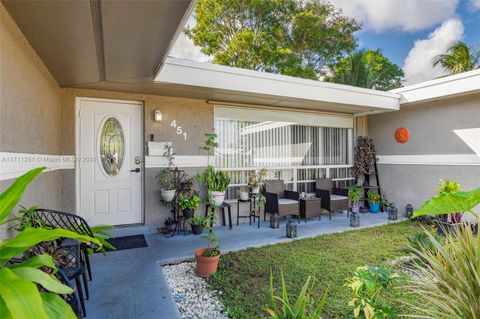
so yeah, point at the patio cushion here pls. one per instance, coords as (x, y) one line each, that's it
(338, 197)
(285, 201)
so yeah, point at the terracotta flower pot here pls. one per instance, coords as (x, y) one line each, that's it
(206, 266)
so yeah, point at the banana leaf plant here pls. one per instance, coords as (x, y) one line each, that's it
(450, 203)
(27, 292)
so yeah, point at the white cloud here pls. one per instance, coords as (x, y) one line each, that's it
(406, 15)
(184, 48)
(474, 4)
(418, 66)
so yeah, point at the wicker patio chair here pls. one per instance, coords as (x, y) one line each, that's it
(281, 201)
(333, 199)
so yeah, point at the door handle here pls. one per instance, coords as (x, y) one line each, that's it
(136, 170)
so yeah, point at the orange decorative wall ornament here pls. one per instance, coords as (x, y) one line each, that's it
(402, 135)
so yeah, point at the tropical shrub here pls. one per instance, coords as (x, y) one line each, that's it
(367, 285)
(297, 310)
(449, 279)
(26, 291)
(257, 179)
(445, 188)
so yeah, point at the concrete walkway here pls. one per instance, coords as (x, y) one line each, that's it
(129, 284)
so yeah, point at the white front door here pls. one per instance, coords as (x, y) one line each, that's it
(110, 156)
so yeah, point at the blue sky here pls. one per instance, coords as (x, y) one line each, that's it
(395, 44)
(409, 32)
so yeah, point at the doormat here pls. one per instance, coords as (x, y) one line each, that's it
(128, 242)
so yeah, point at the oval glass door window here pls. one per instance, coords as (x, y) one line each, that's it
(112, 146)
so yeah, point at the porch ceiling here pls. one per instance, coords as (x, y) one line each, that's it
(91, 41)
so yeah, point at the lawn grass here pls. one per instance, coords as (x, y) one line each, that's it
(243, 277)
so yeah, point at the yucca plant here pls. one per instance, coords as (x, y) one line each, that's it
(27, 292)
(297, 310)
(449, 281)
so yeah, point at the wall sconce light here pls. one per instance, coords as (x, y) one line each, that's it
(157, 115)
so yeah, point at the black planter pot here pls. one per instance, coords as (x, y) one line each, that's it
(188, 213)
(197, 229)
(170, 227)
(364, 210)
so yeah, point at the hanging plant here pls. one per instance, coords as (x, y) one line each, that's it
(364, 156)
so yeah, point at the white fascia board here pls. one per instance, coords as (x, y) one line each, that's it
(198, 74)
(442, 87)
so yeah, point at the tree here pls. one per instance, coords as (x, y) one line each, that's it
(297, 38)
(460, 57)
(368, 69)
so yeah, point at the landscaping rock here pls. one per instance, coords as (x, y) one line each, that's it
(193, 298)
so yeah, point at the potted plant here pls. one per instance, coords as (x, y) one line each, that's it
(386, 205)
(207, 258)
(374, 202)
(188, 204)
(197, 223)
(216, 181)
(166, 180)
(170, 224)
(257, 179)
(354, 194)
(243, 193)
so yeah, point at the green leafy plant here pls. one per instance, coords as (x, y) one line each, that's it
(169, 154)
(26, 291)
(386, 203)
(102, 235)
(258, 178)
(26, 219)
(355, 193)
(166, 179)
(445, 188)
(198, 220)
(450, 203)
(373, 197)
(297, 310)
(213, 247)
(215, 180)
(448, 283)
(209, 144)
(189, 202)
(367, 285)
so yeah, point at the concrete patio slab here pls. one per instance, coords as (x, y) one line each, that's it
(130, 284)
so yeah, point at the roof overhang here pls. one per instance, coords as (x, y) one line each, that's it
(448, 86)
(235, 85)
(85, 42)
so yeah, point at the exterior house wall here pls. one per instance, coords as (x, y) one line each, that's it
(29, 111)
(195, 117)
(431, 128)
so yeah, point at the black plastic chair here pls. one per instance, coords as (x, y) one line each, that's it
(56, 219)
(73, 266)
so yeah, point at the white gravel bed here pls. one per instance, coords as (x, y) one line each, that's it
(190, 293)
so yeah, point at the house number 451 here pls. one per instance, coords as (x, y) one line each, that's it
(179, 129)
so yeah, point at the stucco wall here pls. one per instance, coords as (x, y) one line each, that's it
(431, 128)
(195, 116)
(29, 110)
